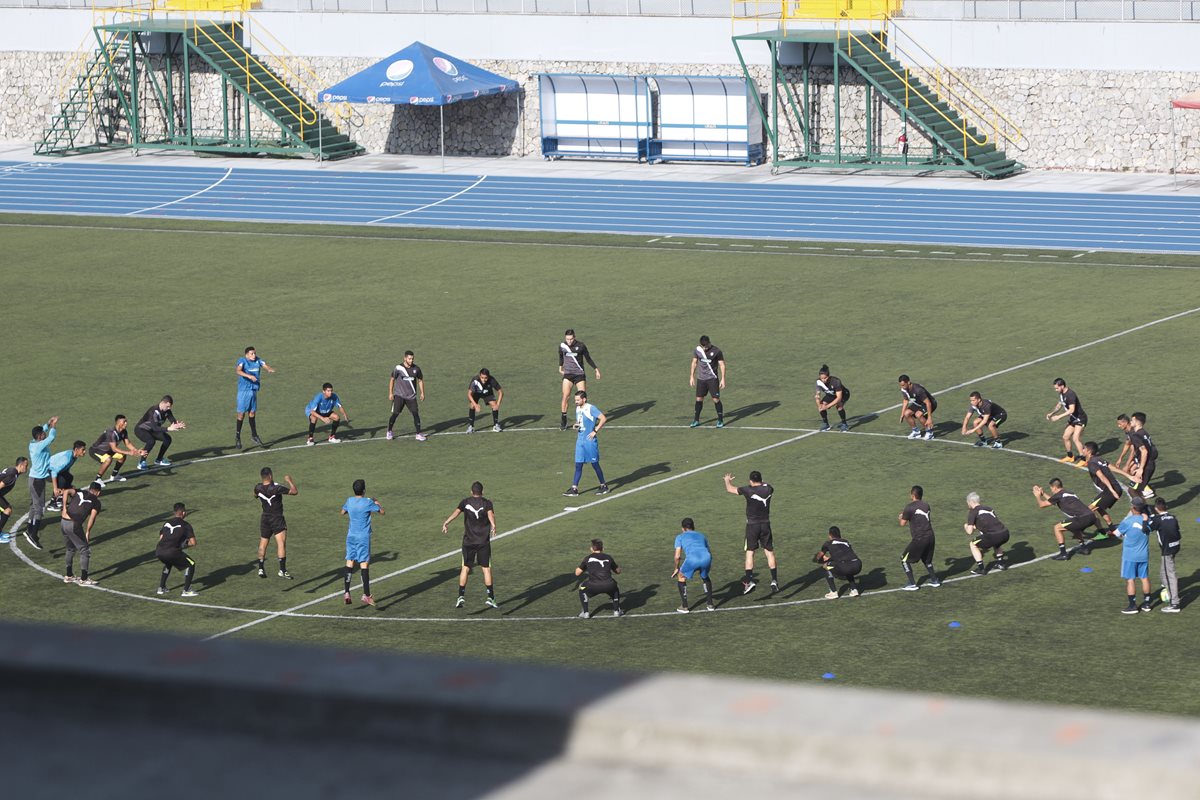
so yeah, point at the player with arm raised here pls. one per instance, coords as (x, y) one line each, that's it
(758, 526)
(271, 495)
(479, 528)
(249, 371)
(572, 354)
(707, 375)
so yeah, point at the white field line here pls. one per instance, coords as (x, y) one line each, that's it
(212, 185)
(431, 205)
(295, 613)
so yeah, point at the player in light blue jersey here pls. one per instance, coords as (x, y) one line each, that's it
(359, 509)
(60, 471)
(39, 472)
(1134, 532)
(588, 421)
(323, 408)
(249, 371)
(692, 555)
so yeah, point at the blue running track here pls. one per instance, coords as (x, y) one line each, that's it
(992, 218)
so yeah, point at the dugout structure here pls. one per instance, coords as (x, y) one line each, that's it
(707, 118)
(594, 116)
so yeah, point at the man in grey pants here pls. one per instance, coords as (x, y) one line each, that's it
(39, 473)
(79, 513)
(1167, 527)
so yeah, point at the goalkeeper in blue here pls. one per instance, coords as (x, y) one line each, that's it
(323, 408)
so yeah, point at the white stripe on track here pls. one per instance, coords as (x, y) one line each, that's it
(431, 205)
(213, 185)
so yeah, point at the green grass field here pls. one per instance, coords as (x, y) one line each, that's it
(104, 317)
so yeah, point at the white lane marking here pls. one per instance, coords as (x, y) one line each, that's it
(295, 613)
(213, 185)
(482, 178)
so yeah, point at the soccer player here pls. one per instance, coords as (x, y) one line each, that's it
(1124, 460)
(1144, 458)
(113, 448)
(599, 568)
(692, 555)
(79, 512)
(8, 479)
(406, 386)
(61, 478)
(359, 509)
(588, 420)
(484, 389)
(831, 393)
(1079, 517)
(156, 425)
(176, 534)
(1134, 531)
(708, 365)
(39, 470)
(249, 371)
(989, 415)
(479, 528)
(271, 495)
(323, 408)
(987, 532)
(1109, 491)
(1068, 406)
(758, 526)
(916, 408)
(571, 355)
(839, 560)
(1166, 528)
(916, 517)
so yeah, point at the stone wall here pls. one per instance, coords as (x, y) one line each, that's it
(1073, 119)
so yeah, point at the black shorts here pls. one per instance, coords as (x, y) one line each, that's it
(831, 396)
(1077, 421)
(999, 419)
(918, 550)
(400, 403)
(1103, 502)
(65, 479)
(592, 588)
(174, 558)
(269, 526)
(758, 534)
(845, 569)
(1080, 524)
(708, 386)
(919, 408)
(990, 541)
(1147, 473)
(490, 397)
(477, 555)
(574, 379)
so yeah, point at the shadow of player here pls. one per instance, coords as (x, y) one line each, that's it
(219, 576)
(640, 474)
(520, 420)
(538, 591)
(638, 598)
(629, 408)
(752, 410)
(435, 580)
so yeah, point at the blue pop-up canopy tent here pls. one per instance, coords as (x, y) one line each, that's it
(418, 75)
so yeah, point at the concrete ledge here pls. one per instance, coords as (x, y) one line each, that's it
(469, 728)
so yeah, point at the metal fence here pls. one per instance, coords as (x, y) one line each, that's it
(1032, 10)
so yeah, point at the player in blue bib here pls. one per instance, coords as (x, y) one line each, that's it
(359, 509)
(1134, 532)
(588, 421)
(249, 371)
(692, 555)
(323, 408)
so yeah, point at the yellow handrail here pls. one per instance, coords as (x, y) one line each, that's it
(249, 58)
(282, 54)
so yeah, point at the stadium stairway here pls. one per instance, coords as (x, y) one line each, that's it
(938, 119)
(271, 93)
(89, 117)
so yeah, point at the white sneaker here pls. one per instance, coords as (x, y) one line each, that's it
(831, 595)
(928, 435)
(496, 428)
(117, 479)
(1147, 492)
(915, 433)
(190, 593)
(854, 592)
(420, 437)
(334, 440)
(160, 591)
(470, 429)
(310, 442)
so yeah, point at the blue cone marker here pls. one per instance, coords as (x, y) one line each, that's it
(956, 624)
(829, 676)
(1085, 569)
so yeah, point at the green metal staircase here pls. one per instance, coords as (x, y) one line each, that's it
(272, 94)
(956, 138)
(89, 117)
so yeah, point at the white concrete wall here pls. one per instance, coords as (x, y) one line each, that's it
(1130, 46)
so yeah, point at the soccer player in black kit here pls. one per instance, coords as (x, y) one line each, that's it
(176, 534)
(1145, 456)
(8, 479)
(479, 528)
(271, 495)
(599, 568)
(987, 532)
(484, 389)
(916, 517)
(1079, 518)
(1107, 488)
(758, 526)
(1069, 406)
(831, 393)
(572, 354)
(707, 375)
(916, 408)
(988, 415)
(839, 560)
